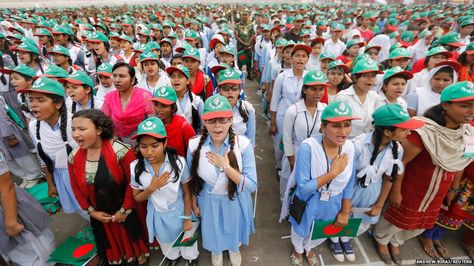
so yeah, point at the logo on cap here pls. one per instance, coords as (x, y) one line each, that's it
(94, 35)
(404, 113)
(316, 75)
(148, 126)
(228, 73)
(341, 109)
(216, 104)
(39, 83)
(469, 88)
(163, 92)
(369, 63)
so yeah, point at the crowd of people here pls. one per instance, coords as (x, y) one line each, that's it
(136, 118)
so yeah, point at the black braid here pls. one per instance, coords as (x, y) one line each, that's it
(196, 181)
(41, 153)
(91, 94)
(243, 112)
(231, 185)
(2, 78)
(73, 108)
(394, 173)
(24, 105)
(196, 120)
(63, 127)
(377, 139)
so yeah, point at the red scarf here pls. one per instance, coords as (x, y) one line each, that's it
(198, 85)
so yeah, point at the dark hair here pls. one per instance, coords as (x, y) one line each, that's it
(176, 56)
(100, 120)
(24, 104)
(98, 60)
(243, 111)
(37, 59)
(377, 139)
(462, 58)
(131, 70)
(196, 181)
(172, 156)
(63, 128)
(195, 118)
(91, 95)
(386, 81)
(446, 69)
(437, 114)
(343, 84)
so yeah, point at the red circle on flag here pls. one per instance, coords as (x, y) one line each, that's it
(331, 230)
(82, 250)
(242, 57)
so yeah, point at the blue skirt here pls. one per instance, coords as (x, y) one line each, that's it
(225, 223)
(366, 198)
(65, 193)
(165, 226)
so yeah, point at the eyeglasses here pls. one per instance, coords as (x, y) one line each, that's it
(221, 120)
(373, 53)
(229, 88)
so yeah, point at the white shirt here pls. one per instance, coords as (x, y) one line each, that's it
(313, 63)
(382, 100)
(362, 110)
(332, 48)
(102, 91)
(164, 80)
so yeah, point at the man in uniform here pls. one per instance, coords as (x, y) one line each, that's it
(244, 35)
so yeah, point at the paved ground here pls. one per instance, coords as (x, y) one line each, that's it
(267, 246)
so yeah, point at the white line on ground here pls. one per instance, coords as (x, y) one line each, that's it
(258, 157)
(362, 250)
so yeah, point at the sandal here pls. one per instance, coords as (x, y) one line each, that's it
(295, 261)
(396, 256)
(441, 249)
(385, 256)
(429, 249)
(312, 260)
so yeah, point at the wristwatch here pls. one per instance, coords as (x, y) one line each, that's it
(125, 211)
(222, 169)
(90, 209)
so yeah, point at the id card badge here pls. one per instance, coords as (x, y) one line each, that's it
(468, 146)
(325, 194)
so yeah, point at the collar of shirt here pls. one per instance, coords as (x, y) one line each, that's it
(301, 107)
(209, 141)
(149, 168)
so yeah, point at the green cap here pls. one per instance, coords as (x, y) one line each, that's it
(458, 92)
(21, 69)
(166, 40)
(152, 45)
(58, 49)
(165, 95)
(79, 78)
(366, 66)
(353, 42)
(397, 71)
(183, 47)
(28, 47)
(305, 32)
(315, 77)
(336, 112)
(144, 32)
(46, 85)
(338, 63)
(151, 126)
(192, 53)
(399, 53)
(54, 71)
(451, 38)
(407, 38)
(325, 55)
(281, 42)
(336, 27)
(372, 45)
(43, 32)
(470, 48)
(126, 38)
(438, 50)
(466, 22)
(141, 48)
(148, 56)
(228, 50)
(217, 68)
(58, 29)
(393, 114)
(173, 35)
(105, 69)
(424, 34)
(229, 76)
(216, 106)
(184, 70)
(191, 35)
(97, 37)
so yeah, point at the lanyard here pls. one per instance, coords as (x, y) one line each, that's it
(309, 133)
(327, 162)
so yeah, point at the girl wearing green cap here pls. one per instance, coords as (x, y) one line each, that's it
(62, 59)
(428, 95)
(51, 135)
(466, 59)
(47, 41)
(70, 41)
(351, 51)
(154, 75)
(317, 48)
(5, 49)
(434, 57)
(100, 178)
(337, 78)
(101, 53)
(166, 51)
(22, 218)
(223, 176)
(190, 106)
(161, 176)
(105, 84)
(79, 89)
(28, 54)
(395, 83)
(434, 159)
(126, 50)
(21, 77)
(324, 178)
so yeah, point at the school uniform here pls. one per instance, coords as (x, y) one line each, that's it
(362, 110)
(334, 49)
(313, 63)
(366, 197)
(382, 100)
(165, 206)
(225, 223)
(298, 125)
(101, 91)
(244, 128)
(164, 80)
(55, 148)
(308, 168)
(97, 104)
(185, 106)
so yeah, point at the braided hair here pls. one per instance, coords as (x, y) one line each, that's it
(196, 181)
(172, 156)
(196, 120)
(243, 112)
(90, 94)
(2, 78)
(377, 139)
(63, 128)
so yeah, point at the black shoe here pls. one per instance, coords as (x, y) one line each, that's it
(192, 262)
(169, 262)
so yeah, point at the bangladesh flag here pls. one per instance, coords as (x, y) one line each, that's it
(243, 57)
(325, 229)
(76, 250)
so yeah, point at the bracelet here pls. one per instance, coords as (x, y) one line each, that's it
(89, 210)
(455, 190)
(185, 217)
(125, 211)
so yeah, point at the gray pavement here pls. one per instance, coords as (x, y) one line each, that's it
(267, 246)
